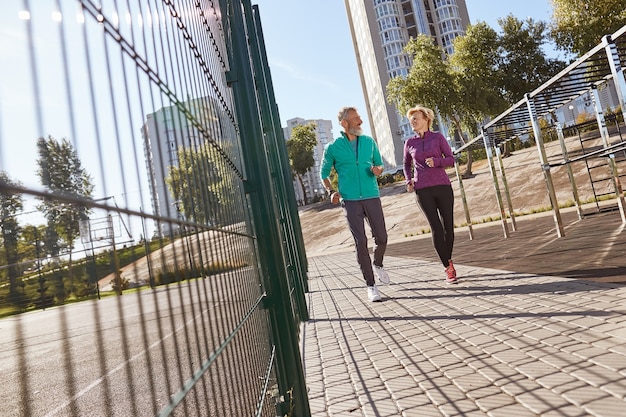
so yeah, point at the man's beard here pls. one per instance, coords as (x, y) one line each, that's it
(356, 131)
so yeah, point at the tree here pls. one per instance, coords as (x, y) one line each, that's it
(429, 82)
(579, 25)
(434, 83)
(61, 172)
(11, 204)
(203, 186)
(523, 64)
(31, 243)
(300, 151)
(486, 73)
(476, 65)
(32, 251)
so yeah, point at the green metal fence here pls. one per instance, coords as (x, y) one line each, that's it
(151, 257)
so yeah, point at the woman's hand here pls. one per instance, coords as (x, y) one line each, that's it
(409, 187)
(430, 162)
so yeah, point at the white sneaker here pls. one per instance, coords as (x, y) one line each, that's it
(372, 294)
(383, 276)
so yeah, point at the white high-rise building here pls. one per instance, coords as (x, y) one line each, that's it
(380, 30)
(312, 182)
(164, 133)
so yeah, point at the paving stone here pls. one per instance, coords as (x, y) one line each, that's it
(606, 407)
(504, 344)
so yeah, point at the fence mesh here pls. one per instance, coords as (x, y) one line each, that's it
(132, 280)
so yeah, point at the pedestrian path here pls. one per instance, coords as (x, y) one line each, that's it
(497, 344)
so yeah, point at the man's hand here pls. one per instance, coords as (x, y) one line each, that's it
(377, 169)
(335, 197)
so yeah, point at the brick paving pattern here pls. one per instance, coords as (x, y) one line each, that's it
(500, 343)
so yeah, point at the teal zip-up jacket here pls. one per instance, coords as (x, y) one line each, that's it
(356, 180)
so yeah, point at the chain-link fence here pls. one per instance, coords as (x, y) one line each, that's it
(151, 258)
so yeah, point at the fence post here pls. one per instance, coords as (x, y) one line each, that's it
(263, 199)
(271, 127)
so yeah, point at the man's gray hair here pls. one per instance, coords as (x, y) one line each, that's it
(343, 112)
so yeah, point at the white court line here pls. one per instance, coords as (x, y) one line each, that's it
(120, 367)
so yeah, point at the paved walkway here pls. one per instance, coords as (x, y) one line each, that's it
(502, 342)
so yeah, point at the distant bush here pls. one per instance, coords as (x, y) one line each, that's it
(171, 274)
(389, 178)
(123, 284)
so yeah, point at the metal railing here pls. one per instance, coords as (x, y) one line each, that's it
(151, 257)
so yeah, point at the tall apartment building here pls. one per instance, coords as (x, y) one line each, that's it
(380, 30)
(312, 182)
(164, 133)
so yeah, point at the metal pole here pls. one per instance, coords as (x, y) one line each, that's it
(147, 249)
(118, 275)
(271, 122)
(468, 220)
(506, 188)
(40, 278)
(496, 186)
(605, 140)
(570, 173)
(259, 187)
(95, 270)
(617, 71)
(545, 166)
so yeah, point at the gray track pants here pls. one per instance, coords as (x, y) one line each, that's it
(356, 212)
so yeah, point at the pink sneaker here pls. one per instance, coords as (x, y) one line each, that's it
(451, 273)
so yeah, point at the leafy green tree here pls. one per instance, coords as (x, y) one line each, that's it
(31, 243)
(203, 186)
(430, 81)
(476, 65)
(579, 25)
(486, 73)
(434, 83)
(61, 172)
(11, 204)
(515, 58)
(523, 65)
(300, 151)
(32, 250)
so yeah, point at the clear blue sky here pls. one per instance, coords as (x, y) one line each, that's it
(313, 64)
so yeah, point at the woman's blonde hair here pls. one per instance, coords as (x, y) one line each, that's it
(426, 112)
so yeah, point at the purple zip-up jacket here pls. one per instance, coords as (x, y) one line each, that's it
(417, 150)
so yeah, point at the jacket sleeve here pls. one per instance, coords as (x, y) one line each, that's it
(408, 164)
(377, 160)
(447, 159)
(327, 162)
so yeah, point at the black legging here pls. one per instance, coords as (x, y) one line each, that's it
(437, 203)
